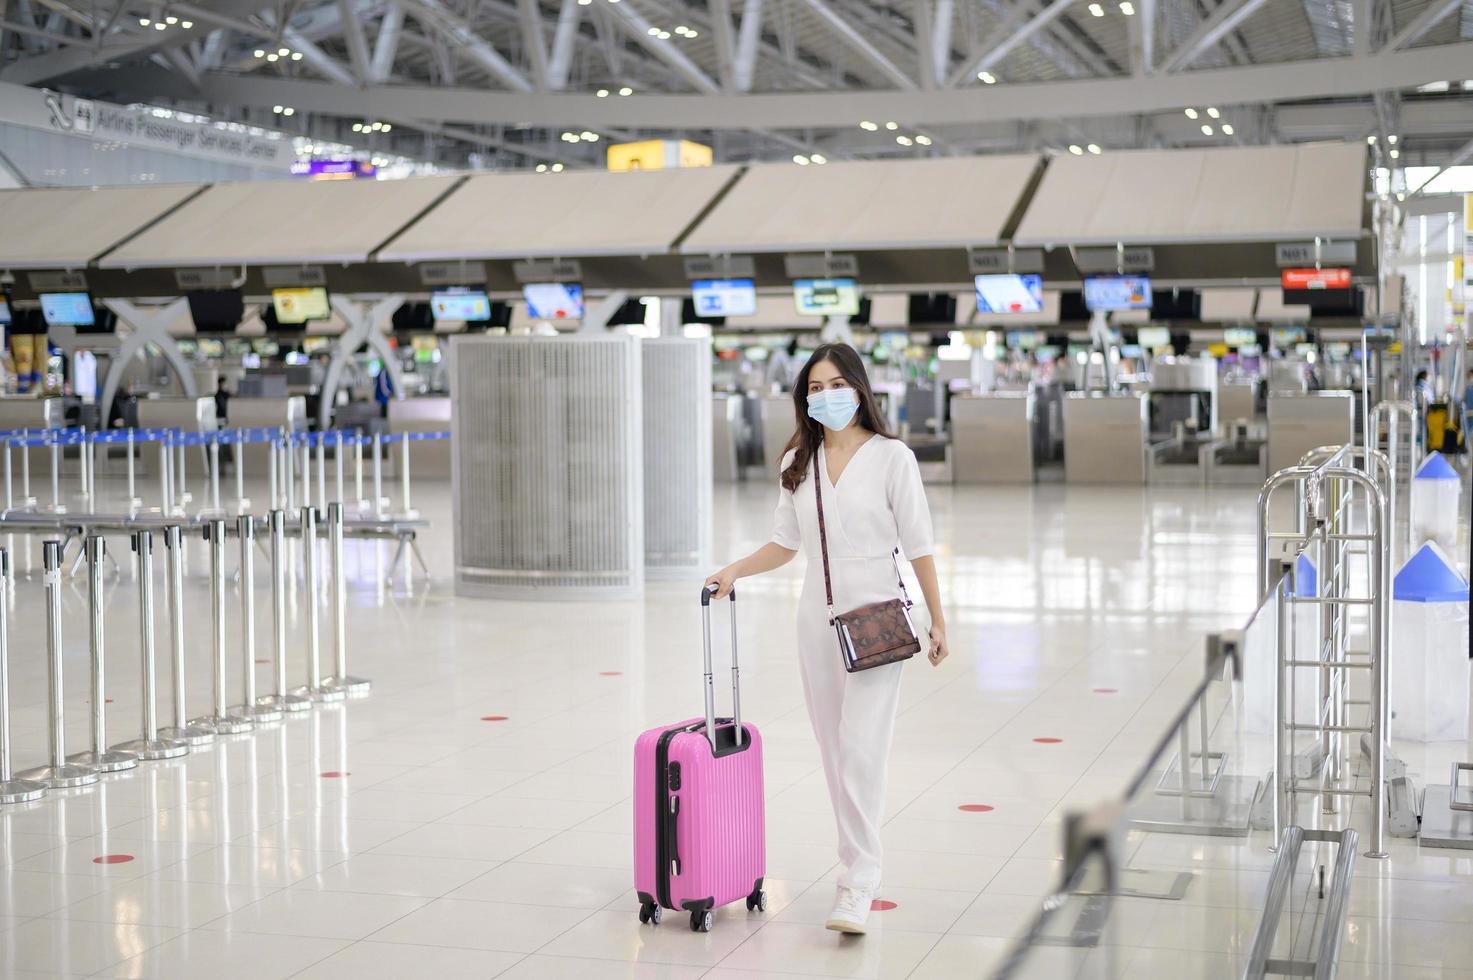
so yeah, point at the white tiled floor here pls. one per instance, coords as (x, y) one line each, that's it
(462, 847)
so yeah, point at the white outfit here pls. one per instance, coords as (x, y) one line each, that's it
(878, 504)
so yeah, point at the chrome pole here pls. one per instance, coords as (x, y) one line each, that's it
(133, 502)
(378, 473)
(404, 481)
(338, 462)
(322, 470)
(12, 790)
(59, 774)
(150, 747)
(56, 505)
(223, 721)
(250, 705)
(280, 698)
(357, 473)
(242, 505)
(9, 480)
(99, 758)
(181, 489)
(181, 730)
(27, 500)
(271, 456)
(314, 687)
(341, 679)
(215, 473)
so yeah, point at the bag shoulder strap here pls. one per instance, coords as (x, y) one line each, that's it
(823, 543)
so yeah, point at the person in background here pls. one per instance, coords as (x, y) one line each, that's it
(222, 403)
(383, 390)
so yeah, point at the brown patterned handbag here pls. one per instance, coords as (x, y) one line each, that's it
(873, 635)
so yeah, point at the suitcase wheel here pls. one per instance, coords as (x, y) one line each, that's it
(758, 901)
(700, 922)
(649, 912)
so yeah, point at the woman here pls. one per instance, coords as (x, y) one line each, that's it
(873, 502)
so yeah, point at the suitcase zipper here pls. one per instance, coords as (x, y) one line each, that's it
(665, 842)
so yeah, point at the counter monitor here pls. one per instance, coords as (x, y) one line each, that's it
(301, 305)
(1009, 294)
(1287, 337)
(470, 305)
(213, 348)
(216, 310)
(1117, 293)
(1025, 339)
(826, 297)
(554, 300)
(1239, 336)
(1153, 338)
(67, 309)
(724, 297)
(237, 346)
(1047, 353)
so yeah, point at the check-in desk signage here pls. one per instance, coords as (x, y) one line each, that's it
(1315, 279)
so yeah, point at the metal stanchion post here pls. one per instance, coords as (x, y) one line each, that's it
(9, 481)
(222, 721)
(306, 470)
(280, 698)
(182, 494)
(271, 456)
(181, 730)
(338, 460)
(341, 679)
(99, 757)
(27, 500)
(378, 473)
(59, 774)
(57, 507)
(404, 482)
(242, 505)
(12, 790)
(149, 746)
(166, 496)
(215, 473)
(357, 473)
(321, 469)
(314, 688)
(250, 705)
(133, 501)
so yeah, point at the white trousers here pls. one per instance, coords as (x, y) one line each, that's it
(853, 715)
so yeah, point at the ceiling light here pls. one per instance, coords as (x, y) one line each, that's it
(1371, 140)
(868, 126)
(144, 22)
(589, 137)
(542, 168)
(653, 32)
(1392, 139)
(357, 127)
(261, 54)
(664, 35)
(283, 51)
(187, 25)
(1094, 148)
(584, 3)
(681, 29)
(892, 126)
(1227, 129)
(903, 140)
(800, 159)
(276, 109)
(1212, 111)
(387, 127)
(159, 25)
(987, 77)
(602, 93)
(1076, 149)
(1191, 113)
(923, 139)
(626, 90)
(692, 34)
(1395, 154)
(1127, 8)
(557, 168)
(1206, 130)
(171, 20)
(273, 56)
(819, 158)
(1097, 10)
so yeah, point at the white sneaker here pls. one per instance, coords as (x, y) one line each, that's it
(851, 909)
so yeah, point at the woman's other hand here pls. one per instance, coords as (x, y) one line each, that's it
(939, 650)
(721, 583)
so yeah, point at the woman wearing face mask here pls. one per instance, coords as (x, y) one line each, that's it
(873, 501)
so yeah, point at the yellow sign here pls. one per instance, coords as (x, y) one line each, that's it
(1218, 350)
(658, 155)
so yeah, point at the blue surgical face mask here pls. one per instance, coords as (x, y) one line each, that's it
(834, 407)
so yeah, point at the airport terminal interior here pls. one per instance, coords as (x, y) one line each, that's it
(675, 489)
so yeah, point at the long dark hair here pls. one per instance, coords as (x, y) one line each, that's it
(809, 434)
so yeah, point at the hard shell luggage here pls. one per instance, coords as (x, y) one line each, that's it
(700, 838)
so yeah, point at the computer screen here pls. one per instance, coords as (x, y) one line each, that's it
(554, 300)
(212, 348)
(1239, 336)
(300, 305)
(67, 309)
(1009, 294)
(471, 305)
(216, 310)
(724, 297)
(4, 312)
(1025, 339)
(1286, 337)
(1153, 337)
(1117, 293)
(237, 346)
(826, 297)
(265, 347)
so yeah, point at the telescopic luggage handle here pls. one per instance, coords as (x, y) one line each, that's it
(736, 676)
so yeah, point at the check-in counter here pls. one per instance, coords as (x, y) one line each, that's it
(264, 413)
(726, 422)
(189, 414)
(1238, 400)
(1105, 438)
(430, 458)
(777, 428)
(33, 413)
(992, 438)
(1299, 423)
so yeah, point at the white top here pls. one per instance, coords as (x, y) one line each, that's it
(879, 503)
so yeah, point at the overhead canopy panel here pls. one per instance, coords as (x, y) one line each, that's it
(66, 228)
(282, 222)
(949, 202)
(562, 215)
(1233, 194)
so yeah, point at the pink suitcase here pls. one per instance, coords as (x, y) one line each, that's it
(700, 837)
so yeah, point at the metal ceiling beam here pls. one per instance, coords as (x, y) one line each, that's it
(1104, 97)
(1429, 18)
(861, 45)
(725, 45)
(354, 39)
(439, 18)
(386, 45)
(1012, 32)
(1143, 38)
(634, 24)
(1228, 15)
(529, 16)
(312, 56)
(922, 30)
(748, 39)
(940, 41)
(36, 32)
(564, 45)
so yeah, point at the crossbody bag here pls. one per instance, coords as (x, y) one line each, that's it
(873, 635)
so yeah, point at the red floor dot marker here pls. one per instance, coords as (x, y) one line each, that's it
(1048, 741)
(335, 775)
(262, 660)
(975, 808)
(1107, 690)
(113, 859)
(493, 717)
(611, 673)
(881, 905)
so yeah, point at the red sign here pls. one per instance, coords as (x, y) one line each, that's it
(1316, 278)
